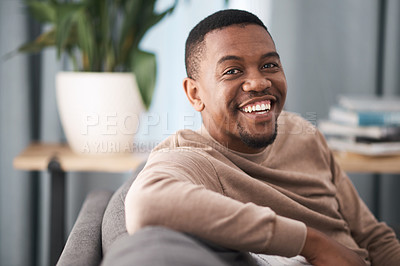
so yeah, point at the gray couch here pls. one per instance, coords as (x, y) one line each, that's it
(101, 221)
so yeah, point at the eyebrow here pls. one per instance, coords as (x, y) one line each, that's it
(271, 54)
(234, 57)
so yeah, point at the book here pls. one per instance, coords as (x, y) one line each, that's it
(364, 118)
(372, 149)
(369, 103)
(368, 125)
(361, 133)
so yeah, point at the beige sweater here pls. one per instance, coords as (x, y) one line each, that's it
(257, 202)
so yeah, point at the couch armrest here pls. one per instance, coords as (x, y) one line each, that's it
(83, 246)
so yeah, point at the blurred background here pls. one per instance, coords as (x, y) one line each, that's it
(327, 48)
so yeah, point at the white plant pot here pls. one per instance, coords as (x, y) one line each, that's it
(99, 111)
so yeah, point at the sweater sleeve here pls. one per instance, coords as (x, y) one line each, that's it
(180, 190)
(379, 239)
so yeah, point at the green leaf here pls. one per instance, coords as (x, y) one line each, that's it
(44, 40)
(145, 70)
(86, 41)
(42, 11)
(67, 16)
(131, 10)
(149, 19)
(104, 37)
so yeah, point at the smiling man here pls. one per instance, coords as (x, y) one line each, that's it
(256, 185)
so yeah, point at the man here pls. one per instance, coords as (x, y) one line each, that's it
(255, 180)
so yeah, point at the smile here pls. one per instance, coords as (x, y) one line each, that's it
(259, 107)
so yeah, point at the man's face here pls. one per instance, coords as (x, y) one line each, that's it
(242, 86)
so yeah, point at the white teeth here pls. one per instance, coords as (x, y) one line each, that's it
(258, 107)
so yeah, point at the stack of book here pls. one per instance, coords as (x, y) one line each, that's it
(365, 125)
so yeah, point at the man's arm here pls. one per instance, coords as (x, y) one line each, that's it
(379, 239)
(166, 194)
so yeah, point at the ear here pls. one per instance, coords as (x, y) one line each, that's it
(192, 92)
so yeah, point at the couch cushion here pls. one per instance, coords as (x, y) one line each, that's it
(113, 226)
(83, 246)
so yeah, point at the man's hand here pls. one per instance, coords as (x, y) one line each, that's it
(319, 249)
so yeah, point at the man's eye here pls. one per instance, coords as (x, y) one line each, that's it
(270, 65)
(232, 71)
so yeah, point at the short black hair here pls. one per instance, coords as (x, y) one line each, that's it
(221, 19)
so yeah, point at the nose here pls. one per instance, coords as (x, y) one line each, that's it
(256, 83)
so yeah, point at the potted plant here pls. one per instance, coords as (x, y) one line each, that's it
(113, 79)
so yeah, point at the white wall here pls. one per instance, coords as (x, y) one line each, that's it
(15, 194)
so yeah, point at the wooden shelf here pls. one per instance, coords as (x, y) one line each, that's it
(351, 162)
(38, 155)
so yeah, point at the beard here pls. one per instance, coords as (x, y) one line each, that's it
(257, 142)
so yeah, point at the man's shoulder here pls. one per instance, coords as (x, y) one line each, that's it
(184, 144)
(185, 139)
(292, 124)
(299, 134)
(293, 119)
